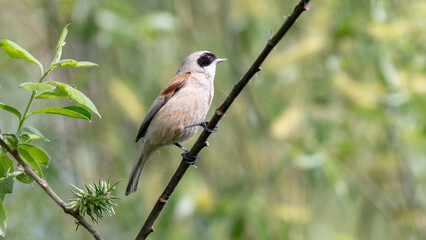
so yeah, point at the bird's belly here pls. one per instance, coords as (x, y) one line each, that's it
(183, 109)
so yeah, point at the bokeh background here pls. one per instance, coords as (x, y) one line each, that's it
(328, 141)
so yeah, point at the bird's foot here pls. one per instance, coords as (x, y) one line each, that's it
(204, 125)
(191, 160)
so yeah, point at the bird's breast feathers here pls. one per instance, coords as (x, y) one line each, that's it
(187, 105)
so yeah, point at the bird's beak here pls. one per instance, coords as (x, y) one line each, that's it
(218, 60)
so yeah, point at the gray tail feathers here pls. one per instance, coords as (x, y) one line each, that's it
(137, 170)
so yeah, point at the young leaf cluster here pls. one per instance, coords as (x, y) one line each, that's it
(96, 202)
(22, 140)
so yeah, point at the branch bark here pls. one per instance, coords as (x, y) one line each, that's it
(147, 227)
(43, 184)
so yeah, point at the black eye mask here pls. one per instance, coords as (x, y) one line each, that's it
(206, 59)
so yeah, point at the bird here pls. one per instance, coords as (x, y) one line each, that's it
(175, 114)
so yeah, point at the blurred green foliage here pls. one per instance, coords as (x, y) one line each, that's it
(327, 142)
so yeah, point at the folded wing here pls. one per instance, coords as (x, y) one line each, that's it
(168, 91)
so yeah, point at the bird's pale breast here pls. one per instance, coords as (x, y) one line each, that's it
(188, 106)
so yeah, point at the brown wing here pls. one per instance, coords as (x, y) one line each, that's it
(168, 91)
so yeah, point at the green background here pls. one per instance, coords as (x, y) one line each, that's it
(328, 141)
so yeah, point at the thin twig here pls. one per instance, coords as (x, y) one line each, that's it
(43, 184)
(147, 228)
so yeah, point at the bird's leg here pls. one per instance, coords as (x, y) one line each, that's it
(204, 125)
(189, 159)
(181, 147)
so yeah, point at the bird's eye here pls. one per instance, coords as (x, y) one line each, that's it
(206, 59)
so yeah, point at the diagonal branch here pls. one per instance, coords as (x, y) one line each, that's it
(43, 184)
(201, 142)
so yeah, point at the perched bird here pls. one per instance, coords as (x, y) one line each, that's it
(181, 106)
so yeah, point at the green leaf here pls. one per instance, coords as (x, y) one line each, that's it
(28, 158)
(77, 96)
(55, 93)
(66, 63)
(25, 178)
(10, 109)
(73, 63)
(12, 140)
(81, 111)
(38, 154)
(6, 185)
(3, 220)
(71, 111)
(15, 51)
(61, 44)
(27, 138)
(36, 86)
(36, 132)
(86, 64)
(6, 166)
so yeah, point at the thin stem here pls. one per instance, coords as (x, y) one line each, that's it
(24, 116)
(43, 184)
(148, 228)
(30, 102)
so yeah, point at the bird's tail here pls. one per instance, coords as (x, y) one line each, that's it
(137, 169)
